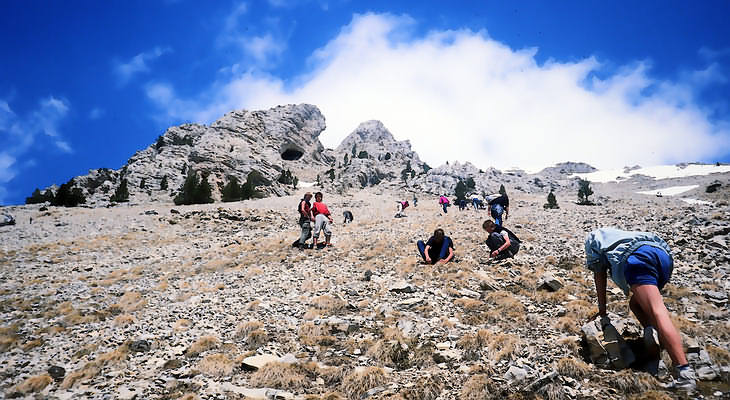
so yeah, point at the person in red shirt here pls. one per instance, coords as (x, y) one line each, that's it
(322, 220)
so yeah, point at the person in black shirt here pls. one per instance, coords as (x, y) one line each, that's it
(438, 249)
(502, 242)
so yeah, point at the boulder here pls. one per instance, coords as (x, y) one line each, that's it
(606, 347)
(550, 283)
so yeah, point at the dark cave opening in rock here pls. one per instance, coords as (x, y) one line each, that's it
(291, 154)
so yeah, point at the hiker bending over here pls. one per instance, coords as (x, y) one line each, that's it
(640, 263)
(322, 220)
(438, 249)
(499, 204)
(444, 201)
(400, 207)
(305, 220)
(348, 216)
(502, 242)
(476, 203)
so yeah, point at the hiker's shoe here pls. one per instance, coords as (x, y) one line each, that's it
(684, 380)
(651, 341)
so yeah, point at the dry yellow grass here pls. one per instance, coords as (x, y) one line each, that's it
(425, 388)
(631, 382)
(279, 375)
(93, 368)
(203, 344)
(718, 355)
(216, 365)
(123, 320)
(34, 384)
(480, 387)
(502, 346)
(244, 328)
(574, 368)
(130, 302)
(30, 345)
(313, 335)
(328, 304)
(360, 380)
(182, 325)
(567, 324)
(651, 395)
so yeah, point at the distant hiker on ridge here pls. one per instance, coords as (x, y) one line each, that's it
(502, 242)
(498, 205)
(400, 207)
(322, 220)
(438, 249)
(640, 263)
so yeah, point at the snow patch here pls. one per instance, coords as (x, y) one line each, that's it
(306, 184)
(656, 172)
(700, 202)
(670, 191)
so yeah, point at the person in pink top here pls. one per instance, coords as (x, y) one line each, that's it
(322, 220)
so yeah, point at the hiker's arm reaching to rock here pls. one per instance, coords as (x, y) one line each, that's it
(425, 253)
(501, 248)
(448, 257)
(600, 278)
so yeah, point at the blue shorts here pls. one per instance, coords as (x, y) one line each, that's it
(648, 265)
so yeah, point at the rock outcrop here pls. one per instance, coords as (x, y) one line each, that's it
(270, 141)
(371, 155)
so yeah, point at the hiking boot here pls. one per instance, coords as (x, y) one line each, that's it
(651, 341)
(684, 380)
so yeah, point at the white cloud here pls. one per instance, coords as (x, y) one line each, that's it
(463, 95)
(125, 71)
(18, 134)
(262, 48)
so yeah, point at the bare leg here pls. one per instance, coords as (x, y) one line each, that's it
(644, 320)
(649, 300)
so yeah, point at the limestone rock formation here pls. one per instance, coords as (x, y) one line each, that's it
(371, 155)
(270, 141)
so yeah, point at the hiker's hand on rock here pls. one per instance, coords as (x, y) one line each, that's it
(428, 259)
(494, 253)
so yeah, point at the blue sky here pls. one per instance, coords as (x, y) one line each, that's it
(85, 84)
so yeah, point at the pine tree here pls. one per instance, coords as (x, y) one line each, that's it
(502, 190)
(584, 192)
(470, 184)
(460, 190)
(121, 194)
(552, 202)
(346, 160)
(163, 183)
(204, 192)
(37, 197)
(143, 183)
(232, 190)
(68, 196)
(331, 173)
(186, 195)
(295, 182)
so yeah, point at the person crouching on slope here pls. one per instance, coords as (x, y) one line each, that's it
(322, 220)
(640, 263)
(502, 242)
(438, 249)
